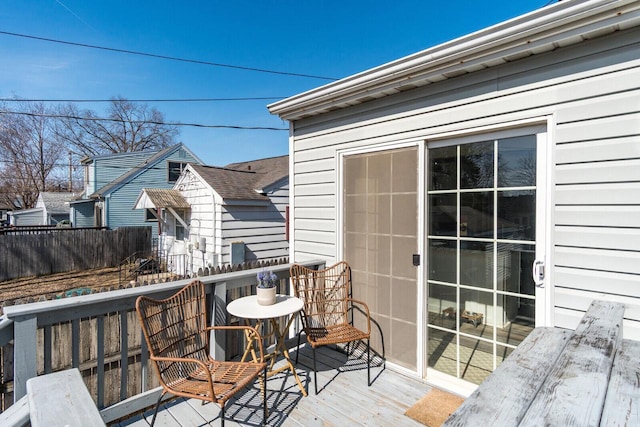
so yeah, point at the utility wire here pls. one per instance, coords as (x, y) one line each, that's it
(171, 58)
(60, 164)
(98, 119)
(264, 98)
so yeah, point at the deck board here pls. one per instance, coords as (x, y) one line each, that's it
(345, 399)
(622, 405)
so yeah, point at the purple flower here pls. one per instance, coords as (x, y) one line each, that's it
(266, 279)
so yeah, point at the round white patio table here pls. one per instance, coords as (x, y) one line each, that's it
(249, 309)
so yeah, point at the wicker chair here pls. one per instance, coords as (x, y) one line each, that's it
(177, 335)
(328, 309)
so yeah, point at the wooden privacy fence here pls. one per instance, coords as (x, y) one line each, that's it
(74, 249)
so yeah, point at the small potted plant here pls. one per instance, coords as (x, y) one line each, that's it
(266, 288)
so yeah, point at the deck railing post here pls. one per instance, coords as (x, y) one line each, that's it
(24, 354)
(219, 313)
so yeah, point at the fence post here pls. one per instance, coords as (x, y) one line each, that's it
(24, 354)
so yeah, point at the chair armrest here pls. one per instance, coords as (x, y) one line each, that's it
(200, 363)
(251, 330)
(363, 308)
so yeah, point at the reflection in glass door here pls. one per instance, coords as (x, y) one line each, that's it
(481, 247)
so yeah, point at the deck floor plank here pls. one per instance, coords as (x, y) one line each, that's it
(345, 399)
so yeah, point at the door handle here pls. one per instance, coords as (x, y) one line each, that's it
(538, 273)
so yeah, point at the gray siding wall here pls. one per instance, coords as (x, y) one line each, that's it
(261, 228)
(590, 93)
(30, 217)
(83, 215)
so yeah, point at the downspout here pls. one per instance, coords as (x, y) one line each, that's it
(217, 232)
(292, 199)
(105, 212)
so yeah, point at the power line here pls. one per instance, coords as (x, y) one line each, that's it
(150, 122)
(171, 58)
(264, 98)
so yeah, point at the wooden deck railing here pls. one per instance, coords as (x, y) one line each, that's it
(28, 329)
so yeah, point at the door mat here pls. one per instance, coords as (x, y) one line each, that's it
(434, 408)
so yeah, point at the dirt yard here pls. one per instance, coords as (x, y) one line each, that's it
(54, 284)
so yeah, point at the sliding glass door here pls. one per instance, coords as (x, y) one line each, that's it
(483, 225)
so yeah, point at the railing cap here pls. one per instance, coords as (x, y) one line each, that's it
(76, 302)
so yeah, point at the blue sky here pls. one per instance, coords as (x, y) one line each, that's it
(327, 38)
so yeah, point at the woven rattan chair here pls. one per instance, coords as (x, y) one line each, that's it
(328, 309)
(177, 335)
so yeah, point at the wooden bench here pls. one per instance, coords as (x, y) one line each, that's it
(622, 406)
(465, 316)
(61, 399)
(473, 318)
(562, 377)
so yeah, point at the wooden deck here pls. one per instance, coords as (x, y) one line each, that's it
(344, 398)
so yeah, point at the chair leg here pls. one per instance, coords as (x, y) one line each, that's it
(265, 413)
(155, 411)
(298, 347)
(368, 364)
(315, 371)
(222, 415)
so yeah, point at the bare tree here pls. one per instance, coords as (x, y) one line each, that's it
(127, 127)
(28, 150)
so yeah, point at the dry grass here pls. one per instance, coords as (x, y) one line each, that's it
(54, 284)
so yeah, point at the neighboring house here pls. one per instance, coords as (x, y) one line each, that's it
(112, 184)
(225, 215)
(51, 208)
(481, 187)
(7, 205)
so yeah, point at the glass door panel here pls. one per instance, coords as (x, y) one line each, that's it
(481, 245)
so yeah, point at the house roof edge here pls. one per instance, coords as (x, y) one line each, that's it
(510, 38)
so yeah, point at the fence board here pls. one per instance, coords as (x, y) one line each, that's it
(49, 252)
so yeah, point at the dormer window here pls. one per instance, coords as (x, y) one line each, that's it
(175, 169)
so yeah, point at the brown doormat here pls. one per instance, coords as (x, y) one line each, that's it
(434, 408)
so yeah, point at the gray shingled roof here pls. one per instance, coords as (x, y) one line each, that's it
(245, 180)
(268, 170)
(229, 183)
(6, 203)
(57, 203)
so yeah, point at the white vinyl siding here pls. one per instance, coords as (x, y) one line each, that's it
(201, 221)
(261, 227)
(588, 94)
(26, 217)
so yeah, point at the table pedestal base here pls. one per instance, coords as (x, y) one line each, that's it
(279, 350)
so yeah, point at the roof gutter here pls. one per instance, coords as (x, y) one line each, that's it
(563, 20)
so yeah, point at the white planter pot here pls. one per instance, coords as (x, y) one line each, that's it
(266, 296)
